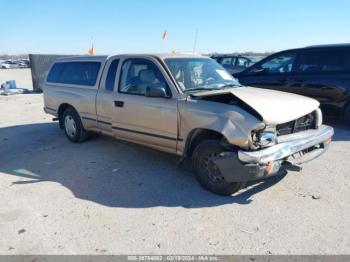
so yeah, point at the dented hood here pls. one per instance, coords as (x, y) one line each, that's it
(275, 107)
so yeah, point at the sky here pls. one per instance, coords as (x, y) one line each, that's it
(136, 26)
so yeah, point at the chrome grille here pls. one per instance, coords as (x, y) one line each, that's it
(301, 124)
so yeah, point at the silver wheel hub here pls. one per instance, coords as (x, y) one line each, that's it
(70, 126)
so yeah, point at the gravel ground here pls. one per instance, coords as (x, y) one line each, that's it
(22, 76)
(111, 197)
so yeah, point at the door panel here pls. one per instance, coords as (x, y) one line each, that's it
(105, 111)
(150, 121)
(147, 120)
(323, 74)
(319, 87)
(328, 89)
(106, 96)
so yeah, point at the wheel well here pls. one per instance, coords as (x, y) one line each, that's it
(61, 109)
(60, 112)
(198, 135)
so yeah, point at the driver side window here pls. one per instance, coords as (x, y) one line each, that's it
(280, 64)
(138, 74)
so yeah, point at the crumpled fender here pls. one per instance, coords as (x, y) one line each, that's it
(234, 123)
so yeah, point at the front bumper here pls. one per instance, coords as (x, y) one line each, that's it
(302, 141)
(290, 152)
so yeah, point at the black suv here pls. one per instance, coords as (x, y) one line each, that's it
(321, 72)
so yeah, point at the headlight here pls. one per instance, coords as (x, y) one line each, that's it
(319, 118)
(264, 137)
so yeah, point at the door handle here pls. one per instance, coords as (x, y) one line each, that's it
(118, 103)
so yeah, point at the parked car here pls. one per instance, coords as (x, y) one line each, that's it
(15, 64)
(8, 64)
(234, 63)
(190, 106)
(24, 63)
(321, 72)
(21, 64)
(5, 65)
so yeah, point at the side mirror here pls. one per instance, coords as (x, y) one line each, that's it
(156, 91)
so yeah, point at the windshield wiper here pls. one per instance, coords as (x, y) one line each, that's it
(230, 85)
(211, 88)
(201, 89)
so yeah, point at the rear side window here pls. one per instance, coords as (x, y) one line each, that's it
(228, 61)
(74, 73)
(318, 61)
(243, 62)
(110, 80)
(55, 72)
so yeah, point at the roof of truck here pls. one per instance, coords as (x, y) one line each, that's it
(100, 58)
(164, 55)
(97, 58)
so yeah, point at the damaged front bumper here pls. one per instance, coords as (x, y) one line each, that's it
(289, 153)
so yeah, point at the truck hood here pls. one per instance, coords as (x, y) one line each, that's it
(274, 107)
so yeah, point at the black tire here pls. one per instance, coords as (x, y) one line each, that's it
(347, 114)
(206, 172)
(73, 127)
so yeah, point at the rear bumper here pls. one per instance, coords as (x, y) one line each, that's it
(289, 153)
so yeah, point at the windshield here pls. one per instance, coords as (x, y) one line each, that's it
(194, 74)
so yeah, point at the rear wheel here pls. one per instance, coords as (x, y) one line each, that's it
(207, 173)
(73, 127)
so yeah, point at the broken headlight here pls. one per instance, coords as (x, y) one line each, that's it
(264, 137)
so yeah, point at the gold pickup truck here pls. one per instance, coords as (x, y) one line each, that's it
(190, 106)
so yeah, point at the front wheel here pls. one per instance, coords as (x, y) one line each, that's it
(207, 173)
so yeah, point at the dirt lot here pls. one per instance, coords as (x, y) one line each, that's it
(111, 197)
(23, 77)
